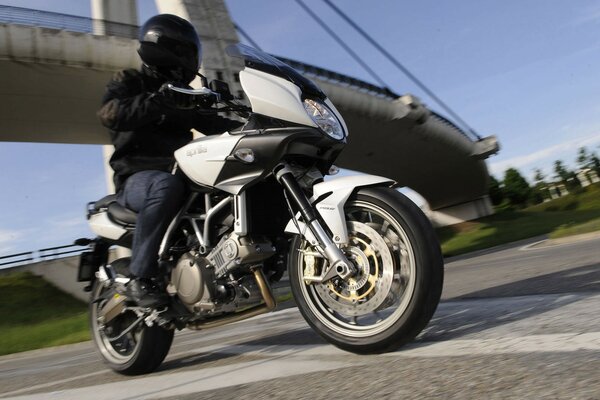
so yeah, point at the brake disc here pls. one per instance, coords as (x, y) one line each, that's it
(369, 288)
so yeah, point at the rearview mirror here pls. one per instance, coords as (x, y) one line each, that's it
(222, 88)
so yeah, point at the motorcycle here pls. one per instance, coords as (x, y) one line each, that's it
(364, 264)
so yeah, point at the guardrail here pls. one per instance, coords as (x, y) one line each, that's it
(25, 16)
(28, 255)
(75, 23)
(49, 253)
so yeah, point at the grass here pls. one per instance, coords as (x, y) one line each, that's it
(572, 214)
(570, 229)
(35, 314)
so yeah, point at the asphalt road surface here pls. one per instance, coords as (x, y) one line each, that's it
(516, 322)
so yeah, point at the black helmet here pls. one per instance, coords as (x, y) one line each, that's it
(170, 47)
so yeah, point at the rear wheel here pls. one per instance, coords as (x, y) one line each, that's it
(139, 351)
(399, 281)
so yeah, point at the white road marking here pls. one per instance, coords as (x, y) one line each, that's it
(50, 384)
(188, 382)
(517, 325)
(282, 360)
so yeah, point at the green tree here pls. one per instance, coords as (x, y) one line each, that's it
(566, 176)
(495, 191)
(540, 188)
(583, 158)
(538, 175)
(560, 171)
(516, 189)
(595, 163)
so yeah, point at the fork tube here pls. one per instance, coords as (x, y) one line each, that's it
(339, 264)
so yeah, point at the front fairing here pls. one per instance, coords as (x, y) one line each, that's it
(276, 90)
(260, 61)
(210, 161)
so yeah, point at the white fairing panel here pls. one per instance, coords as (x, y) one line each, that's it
(332, 207)
(203, 159)
(274, 97)
(102, 226)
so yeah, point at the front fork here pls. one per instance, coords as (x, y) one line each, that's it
(338, 264)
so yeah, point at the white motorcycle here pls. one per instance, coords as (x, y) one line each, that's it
(364, 264)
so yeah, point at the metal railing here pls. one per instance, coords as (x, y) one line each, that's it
(49, 253)
(74, 23)
(19, 258)
(47, 19)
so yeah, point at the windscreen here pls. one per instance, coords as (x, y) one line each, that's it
(264, 62)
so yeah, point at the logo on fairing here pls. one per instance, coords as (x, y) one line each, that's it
(325, 207)
(196, 150)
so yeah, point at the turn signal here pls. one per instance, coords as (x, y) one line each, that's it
(244, 155)
(333, 170)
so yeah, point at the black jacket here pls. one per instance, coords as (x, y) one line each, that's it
(144, 131)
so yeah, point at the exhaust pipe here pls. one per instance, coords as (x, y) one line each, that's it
(113, 308)
(265, 291)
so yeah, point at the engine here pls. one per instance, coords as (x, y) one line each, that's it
(190, 279)
(234, 251)
(203, 283)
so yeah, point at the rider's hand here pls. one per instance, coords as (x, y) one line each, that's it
(206, 101)
(174, 99)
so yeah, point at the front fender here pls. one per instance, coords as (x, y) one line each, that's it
(329, 199)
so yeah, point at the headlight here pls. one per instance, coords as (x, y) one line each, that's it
(324, 118)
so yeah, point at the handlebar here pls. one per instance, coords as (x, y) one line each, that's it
(215, 97)
(203, 92)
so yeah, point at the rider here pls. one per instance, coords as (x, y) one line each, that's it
(147, 123)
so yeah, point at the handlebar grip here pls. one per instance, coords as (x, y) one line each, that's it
(202, 92)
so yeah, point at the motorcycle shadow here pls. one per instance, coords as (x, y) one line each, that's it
(206, 360)
(244, 351)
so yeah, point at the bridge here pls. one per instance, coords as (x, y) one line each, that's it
(53, 69)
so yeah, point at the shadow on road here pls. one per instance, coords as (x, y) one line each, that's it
(464, 315)
(195, 359)
(303, 337)
(580, 279)
(459, 317)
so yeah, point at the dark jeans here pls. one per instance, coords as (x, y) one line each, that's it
(156, 196)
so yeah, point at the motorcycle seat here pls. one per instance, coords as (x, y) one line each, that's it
(117, 212)
(105, 201)
(121, 214)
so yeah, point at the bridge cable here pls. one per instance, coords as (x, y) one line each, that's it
(399, 65)
(246, 36)
(355, 56)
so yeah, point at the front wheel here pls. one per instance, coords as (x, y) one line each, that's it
(399, 281)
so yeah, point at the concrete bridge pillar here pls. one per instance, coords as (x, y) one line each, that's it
(216, 30)
(121, 11)
(103, 13)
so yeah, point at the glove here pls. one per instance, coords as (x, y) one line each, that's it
(174, 99)
(206, 101)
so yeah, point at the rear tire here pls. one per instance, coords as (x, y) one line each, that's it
(140, 351)
(399, 284)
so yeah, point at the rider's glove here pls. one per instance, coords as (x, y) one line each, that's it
(206, 101)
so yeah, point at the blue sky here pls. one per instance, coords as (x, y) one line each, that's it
(526, 71)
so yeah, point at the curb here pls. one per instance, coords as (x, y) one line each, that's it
(500, 247)
(562, 241)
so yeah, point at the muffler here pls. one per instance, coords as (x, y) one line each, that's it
(112, 309)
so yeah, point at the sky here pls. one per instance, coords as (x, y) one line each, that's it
(526, 71)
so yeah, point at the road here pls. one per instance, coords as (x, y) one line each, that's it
(519, 321)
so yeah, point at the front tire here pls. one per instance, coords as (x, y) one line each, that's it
(397, 288)
(138, 352)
